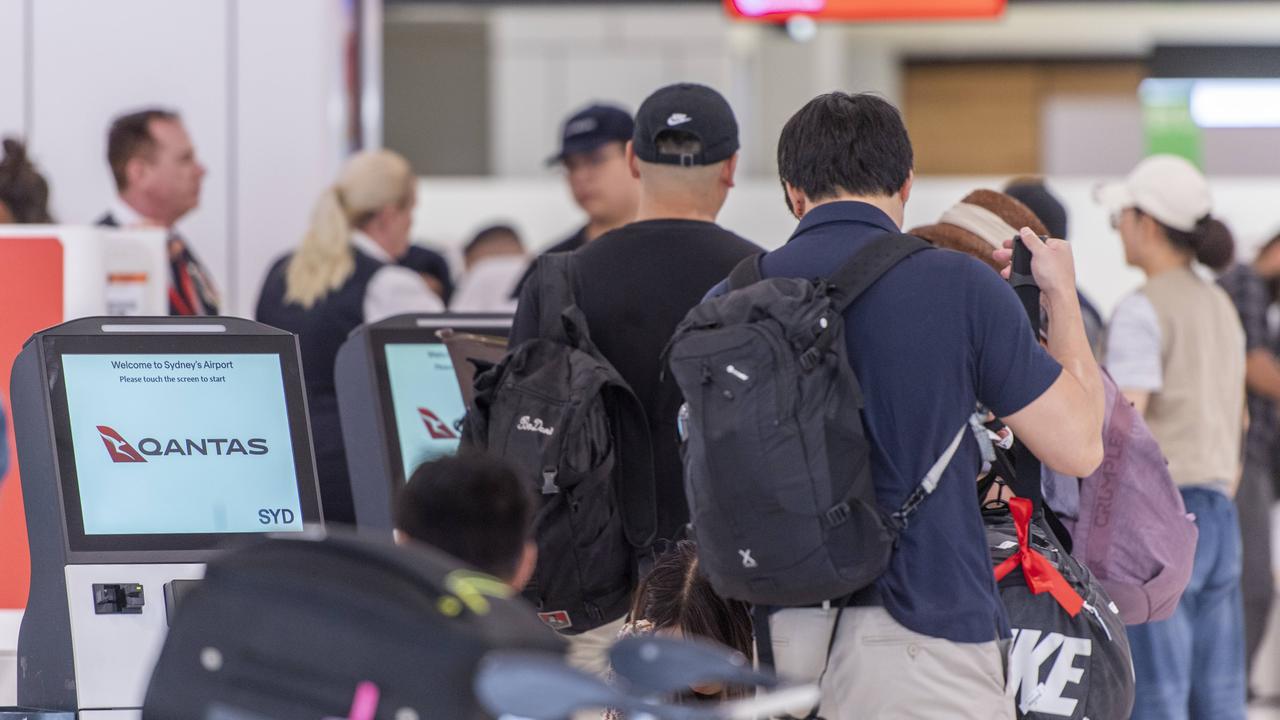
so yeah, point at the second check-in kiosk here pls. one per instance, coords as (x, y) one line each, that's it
(401, 404)
(146, 445)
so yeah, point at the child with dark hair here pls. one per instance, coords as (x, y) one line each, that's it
(676, 599)
(24, 194)
(474, 508)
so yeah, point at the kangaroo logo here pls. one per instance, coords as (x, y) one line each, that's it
(748, 562)
(117, 447)
(436, 427)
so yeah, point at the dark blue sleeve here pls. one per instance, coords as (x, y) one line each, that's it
(1012, 369)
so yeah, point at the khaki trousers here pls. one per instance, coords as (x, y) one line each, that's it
(880, 670)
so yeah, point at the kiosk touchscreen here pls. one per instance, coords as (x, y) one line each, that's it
(401, 403)
(145, 444)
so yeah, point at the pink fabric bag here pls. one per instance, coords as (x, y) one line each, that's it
(1128, 524)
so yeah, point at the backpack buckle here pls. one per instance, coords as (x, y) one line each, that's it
(549, 486)
(839, 514)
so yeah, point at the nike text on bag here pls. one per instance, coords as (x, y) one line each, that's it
(777, 462)
(568, 423)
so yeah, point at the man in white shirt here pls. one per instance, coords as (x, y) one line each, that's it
(158, 180)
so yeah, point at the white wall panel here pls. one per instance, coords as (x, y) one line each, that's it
(92, 60)
(13, 67)
(590, 76)
(525, 108)
(289, 115)
(1088, 135)
(551, 60)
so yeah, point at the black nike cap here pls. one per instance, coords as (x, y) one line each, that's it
(592, 127)
(687, 108)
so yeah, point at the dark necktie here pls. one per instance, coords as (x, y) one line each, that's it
(190, 292)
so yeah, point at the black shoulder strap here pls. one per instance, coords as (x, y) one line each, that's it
(746, 272)
(635, 490)
(870, 264)
(555, 293)
(1026, 465)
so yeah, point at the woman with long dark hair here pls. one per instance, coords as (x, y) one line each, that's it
(676, 599)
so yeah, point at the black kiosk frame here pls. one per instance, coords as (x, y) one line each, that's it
(369, 429)
(70, 628)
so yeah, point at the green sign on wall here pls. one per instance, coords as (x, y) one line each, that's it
(1167, 122)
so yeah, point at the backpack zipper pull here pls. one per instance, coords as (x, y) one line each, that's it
(549, 486)
(706, 373)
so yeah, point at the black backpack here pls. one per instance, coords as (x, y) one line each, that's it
(777, 462)
(571, 426)
(296, 629)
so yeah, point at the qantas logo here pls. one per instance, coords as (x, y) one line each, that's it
(436, 427)
(117, 447)
(122, 451)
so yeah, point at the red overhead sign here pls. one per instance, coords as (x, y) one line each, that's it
(777, 10)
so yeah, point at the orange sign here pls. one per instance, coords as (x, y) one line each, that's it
(31, 293)
(778, 10)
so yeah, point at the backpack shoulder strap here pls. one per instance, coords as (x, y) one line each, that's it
(555, 294)
(635, 490)
(870, 264)
(746, 272)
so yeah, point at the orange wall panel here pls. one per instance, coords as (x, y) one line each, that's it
(30, 300)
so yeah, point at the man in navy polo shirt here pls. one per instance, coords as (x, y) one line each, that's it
(936, 335)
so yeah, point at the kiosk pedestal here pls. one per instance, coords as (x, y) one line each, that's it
(146, 445)
(400, 403)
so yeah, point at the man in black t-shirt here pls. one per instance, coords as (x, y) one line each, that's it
(636, 283)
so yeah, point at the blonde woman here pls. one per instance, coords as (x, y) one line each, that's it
(343, 274)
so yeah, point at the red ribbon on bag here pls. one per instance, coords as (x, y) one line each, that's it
(1040, 574)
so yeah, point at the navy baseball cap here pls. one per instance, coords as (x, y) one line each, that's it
(688, 108)
(591, 127)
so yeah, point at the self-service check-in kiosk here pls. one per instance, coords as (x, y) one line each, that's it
(146, 444)
(400, 402)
